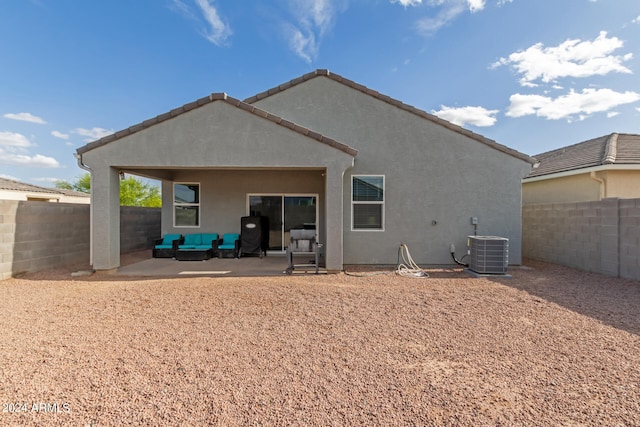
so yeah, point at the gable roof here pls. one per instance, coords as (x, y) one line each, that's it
(613, 149)
(215, 97)
(11, 185)
(396, 103)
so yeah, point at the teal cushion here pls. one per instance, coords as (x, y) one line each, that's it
(202, 247)
(186, 246)
(169, 238)
(192, 239)
(164, 246)
(208, 238)
(229, 239)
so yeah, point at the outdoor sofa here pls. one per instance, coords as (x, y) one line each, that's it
(167, 246)
(197, 247)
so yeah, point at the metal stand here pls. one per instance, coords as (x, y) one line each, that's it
(303, 242)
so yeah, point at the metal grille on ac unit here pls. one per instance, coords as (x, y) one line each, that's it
(489, 254)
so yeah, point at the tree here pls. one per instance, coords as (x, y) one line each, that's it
(133, 192)
(83, 184)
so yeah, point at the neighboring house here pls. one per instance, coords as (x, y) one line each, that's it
(367, 171)
(14, 190)
(608, 166)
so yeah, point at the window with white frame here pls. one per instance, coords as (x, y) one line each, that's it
(367, 202)
(186, 204)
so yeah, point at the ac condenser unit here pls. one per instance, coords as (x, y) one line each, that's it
(488, 254)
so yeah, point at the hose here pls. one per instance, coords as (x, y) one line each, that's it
(453, 255)
(408, 268)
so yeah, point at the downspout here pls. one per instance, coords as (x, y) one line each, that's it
(88, 169)
(603, 186)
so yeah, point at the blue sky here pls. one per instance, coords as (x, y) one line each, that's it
(534, 75)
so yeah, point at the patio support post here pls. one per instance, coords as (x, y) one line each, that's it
(105, 201)
(334, 218)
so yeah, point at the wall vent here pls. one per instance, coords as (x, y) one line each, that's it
(489, 254)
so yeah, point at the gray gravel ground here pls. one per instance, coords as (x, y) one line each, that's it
(550, 346)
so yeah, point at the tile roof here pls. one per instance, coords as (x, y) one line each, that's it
(395, 103)
(229, 100)
(618, 149)
(9, 184)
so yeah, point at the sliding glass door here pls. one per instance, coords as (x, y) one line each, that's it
(285, 211)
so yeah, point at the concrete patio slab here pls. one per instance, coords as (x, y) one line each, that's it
(272, 265)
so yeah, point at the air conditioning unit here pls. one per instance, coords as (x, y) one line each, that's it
(488, 254)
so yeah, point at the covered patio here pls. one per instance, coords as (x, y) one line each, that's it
(234, 159)
(142, 264)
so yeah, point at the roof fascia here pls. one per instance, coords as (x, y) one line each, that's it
(573, 172)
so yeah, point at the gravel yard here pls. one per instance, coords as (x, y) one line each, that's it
(550, 346)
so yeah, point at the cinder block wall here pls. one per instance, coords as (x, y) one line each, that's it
(630, 238)
(37, 236)
(139, 227)
(601, 237)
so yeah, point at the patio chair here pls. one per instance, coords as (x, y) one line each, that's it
(205, 243)
(230, 242)
(167, 246)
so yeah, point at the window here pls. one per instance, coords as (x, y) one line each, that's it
(186, 205)
(367, 200)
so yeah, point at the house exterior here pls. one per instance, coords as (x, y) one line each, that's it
(366, 171)
(15, 190)
(600, 168)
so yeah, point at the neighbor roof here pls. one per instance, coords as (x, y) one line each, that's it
(229, 100)
(395, 103)
(11, 185)
(616, 148)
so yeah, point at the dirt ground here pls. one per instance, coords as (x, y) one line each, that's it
(549, 346)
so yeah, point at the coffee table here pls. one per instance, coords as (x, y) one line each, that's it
(194, 254)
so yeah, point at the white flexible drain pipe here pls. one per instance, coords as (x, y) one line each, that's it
(408, 268)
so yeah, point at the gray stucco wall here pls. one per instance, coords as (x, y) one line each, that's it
(436, 179)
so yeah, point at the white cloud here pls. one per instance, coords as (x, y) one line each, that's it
(12, 139)
(476, 5)
(587, 102)
(448, 10)
(25, 117)
(5, 176)
(573, 58)
(637, 20)
(218, 31)
(13, 151)
(446, 14)
(38, 161)
(406, 3)
(312, 20)
(60, 135)
(92, 134)
(48, 180)
(477, 116)
(302, 44)
(612, 114)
